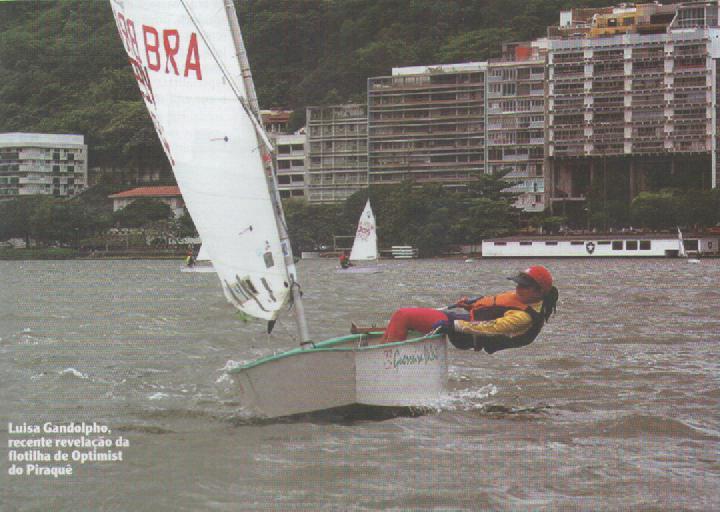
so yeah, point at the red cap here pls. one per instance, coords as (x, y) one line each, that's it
(535, 275)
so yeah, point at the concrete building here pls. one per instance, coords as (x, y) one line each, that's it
(42, 163)
(171, 196)
(516, 120)
(337, 152)
(632, 98)
(275, 121)
(427, 124)
(291, 172)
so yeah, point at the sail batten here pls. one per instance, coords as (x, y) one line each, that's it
(185, 60)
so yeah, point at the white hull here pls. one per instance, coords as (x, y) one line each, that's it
(343, 372)
(619, 246)
(198, 268)
(359, 270)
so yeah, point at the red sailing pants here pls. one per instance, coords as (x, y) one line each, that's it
(416, 319)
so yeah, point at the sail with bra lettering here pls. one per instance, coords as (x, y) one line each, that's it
(185, 60)
(365, 245)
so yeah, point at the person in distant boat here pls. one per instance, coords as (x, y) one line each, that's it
(190, 259)
(491, 323)
(345, 260)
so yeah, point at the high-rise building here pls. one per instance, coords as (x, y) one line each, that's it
(632, 99)
(516, 120)
(291, 171)
(42, 163)
(337, 153)
(427, 124)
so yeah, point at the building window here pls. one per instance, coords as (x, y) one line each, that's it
(631, 245)
(283, 180)
(577, 242)
(499, 243)
(525, 243)
(551, 243)
(644, 245)
(56, 169)
(617, 245)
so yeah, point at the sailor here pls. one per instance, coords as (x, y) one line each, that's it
(345, 260)
(497, 322)
(190, 259)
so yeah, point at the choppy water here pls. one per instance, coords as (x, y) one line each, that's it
(616, 406)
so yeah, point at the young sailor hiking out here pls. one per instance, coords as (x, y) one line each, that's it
(497, 322)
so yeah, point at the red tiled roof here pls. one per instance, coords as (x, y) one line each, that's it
(147, 192)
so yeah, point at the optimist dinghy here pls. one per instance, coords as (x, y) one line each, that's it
(198, 89)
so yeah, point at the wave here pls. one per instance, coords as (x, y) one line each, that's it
(636, 425)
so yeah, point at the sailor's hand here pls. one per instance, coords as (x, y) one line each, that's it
(443, 327)
(466, 303)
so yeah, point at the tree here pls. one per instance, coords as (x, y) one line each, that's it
(312, 225)
(14, 215)
(55, 220)
(142, 212)
(655, 210)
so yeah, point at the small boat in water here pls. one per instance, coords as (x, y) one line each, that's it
(201, 264)
(205, 111)
(364, 247)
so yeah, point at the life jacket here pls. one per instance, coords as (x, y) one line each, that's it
(490, 308)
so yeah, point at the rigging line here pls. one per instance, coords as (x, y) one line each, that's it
(243, 101)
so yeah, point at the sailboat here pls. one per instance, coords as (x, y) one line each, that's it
(682, 253)
(202, 263)
(365, 244)
(189, 60)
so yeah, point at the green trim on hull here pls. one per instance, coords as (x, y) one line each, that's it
(329, 346)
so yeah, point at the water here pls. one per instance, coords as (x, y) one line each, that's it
(615, 406)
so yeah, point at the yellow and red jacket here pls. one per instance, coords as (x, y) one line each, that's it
(498, 322)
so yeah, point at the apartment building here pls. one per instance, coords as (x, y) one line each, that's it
(427, 124)
(42, 163)
(516, 120)
(632, 95)
(276, 121)
(337, 151)
(291, 172)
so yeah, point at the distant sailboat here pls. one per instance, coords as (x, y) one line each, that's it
(365, 245)
(189, 60)
(202, 262)
(682, 253)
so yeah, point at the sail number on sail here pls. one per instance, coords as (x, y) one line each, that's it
(163, 49)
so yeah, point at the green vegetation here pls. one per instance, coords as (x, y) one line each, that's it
(671, 207)
(429, 217)
(87, 222)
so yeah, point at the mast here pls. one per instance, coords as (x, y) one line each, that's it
(266, 151)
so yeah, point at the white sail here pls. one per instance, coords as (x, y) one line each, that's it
(186, 63)
(681, 251)
(202, 254)
(365, 245)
